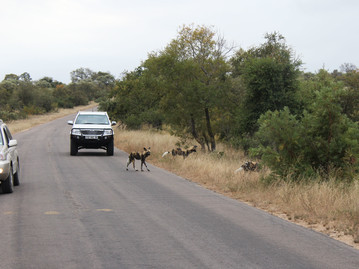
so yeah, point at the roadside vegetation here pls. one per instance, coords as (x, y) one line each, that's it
(329, 206)
(236, 105)
(22, 97)
(301, 126)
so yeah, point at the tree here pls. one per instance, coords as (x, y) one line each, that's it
(348, 68)
(134, 101)
(269, 74)
(81, 74)
(350, 98)
(25, 77)
(104, 79)
(45, 82)
(63, 97)
(194, 68)
(11, 77)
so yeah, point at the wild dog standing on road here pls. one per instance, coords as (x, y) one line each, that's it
(181, 152)
(139, 156)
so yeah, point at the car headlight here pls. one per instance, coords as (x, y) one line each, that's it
(75, 132)
(108, 132)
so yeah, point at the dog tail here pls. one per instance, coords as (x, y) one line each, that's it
(165, 153)
(239, 169)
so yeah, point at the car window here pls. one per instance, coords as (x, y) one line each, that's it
(92, 119)
(6, 138)
(7, 133)
(1, 139)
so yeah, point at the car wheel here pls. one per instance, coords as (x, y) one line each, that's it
(17, 175)
(110, 148)
(7, 185)
(73, 148)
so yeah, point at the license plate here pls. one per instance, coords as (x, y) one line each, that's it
(90, 137)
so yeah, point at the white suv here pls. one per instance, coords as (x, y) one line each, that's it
(91, 130)
(9, 160)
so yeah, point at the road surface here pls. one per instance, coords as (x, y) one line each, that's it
(87, 211)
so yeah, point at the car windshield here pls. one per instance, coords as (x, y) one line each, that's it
(92, 119)
(1, 140)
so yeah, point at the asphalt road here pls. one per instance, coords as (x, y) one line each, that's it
(87, 211)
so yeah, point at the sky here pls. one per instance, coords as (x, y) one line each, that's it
(52, 38)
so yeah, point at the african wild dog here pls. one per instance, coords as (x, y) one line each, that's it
(181, 152)
(190, 150)
(139, 156)
(248, 166)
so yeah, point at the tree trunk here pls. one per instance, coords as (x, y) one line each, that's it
(206, 141)
(195, 134)
(209, 129)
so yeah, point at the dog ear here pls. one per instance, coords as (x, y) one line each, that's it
(145, 149)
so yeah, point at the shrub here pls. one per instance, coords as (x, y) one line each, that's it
(321, 141)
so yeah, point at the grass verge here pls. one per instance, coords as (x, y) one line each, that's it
(328, 207)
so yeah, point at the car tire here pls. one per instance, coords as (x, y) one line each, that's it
(110, 148)
(7, 185)
(17, 174)
(73, 148)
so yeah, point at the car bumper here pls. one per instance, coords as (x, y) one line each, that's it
(4, 170)
(92, 142)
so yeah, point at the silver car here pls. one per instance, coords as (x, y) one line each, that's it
(91, 130)
(9, 160)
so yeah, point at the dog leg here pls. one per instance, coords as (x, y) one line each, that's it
(134, 165)
(144, 163)
(128, 163)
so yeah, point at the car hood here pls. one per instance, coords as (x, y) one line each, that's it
(91, 126)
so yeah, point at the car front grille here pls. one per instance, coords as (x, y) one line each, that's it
(91, 132)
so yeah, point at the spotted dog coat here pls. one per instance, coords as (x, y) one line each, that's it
(181, 152)
(190, 150)
(248, 166)
(139, 156)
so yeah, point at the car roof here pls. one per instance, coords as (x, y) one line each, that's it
(93, 112)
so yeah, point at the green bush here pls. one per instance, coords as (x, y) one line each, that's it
(322, 140)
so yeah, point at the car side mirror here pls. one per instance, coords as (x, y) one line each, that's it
(113, 123)
(70, 122)
(12, 143)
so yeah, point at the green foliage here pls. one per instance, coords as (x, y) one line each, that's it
(322, 140)
(81, 74)
(20, 96)
(281, 141)
(270, 81)
(192, 72)
(350, 99)
(134, 101)
(183, 85)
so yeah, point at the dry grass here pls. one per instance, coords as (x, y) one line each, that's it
(327, 207)
(24, 124)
